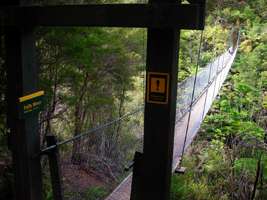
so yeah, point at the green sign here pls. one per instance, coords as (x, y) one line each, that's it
(30, 104)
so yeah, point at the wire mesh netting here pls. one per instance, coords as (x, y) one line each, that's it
(191, 111)
(204, 77)
(95, 162)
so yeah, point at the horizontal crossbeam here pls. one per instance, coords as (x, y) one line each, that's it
(187, 16)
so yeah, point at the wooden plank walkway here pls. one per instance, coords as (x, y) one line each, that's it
(123, 191)
(198, 113)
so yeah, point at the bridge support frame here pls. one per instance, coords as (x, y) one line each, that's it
(153, 169)
(156, 168)
(23, 133)
(164, 19)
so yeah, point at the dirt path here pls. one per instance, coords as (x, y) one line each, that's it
(78, 180)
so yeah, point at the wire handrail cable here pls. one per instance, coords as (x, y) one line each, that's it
(211, 81)
(103, 126)
(192, 97)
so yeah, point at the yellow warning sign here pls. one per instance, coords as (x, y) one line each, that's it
(158, 85)
(157, 88)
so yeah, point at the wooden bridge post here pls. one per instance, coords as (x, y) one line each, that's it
(24, 136)
(55, 170)
(153, 169)
(160, 113)
(163, 19)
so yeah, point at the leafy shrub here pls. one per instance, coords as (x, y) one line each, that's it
(96, 193)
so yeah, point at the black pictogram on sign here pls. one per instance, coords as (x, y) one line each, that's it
(157, 88)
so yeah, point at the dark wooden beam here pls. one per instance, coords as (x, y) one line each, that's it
(169, 15)
(153, 170)
(25, 139)
(164, 19)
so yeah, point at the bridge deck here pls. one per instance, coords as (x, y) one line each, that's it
(123, 191)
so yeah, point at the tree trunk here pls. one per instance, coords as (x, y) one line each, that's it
(76, 151)
(256, 179)
(79, 117)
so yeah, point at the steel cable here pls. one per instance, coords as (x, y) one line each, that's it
(90, 131)
(192, 98)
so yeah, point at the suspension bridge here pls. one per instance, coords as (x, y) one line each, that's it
(173, 112)
(195, 97)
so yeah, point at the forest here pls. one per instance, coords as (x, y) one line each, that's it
(228, 158)
(92, 76)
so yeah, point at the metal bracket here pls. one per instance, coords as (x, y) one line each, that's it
(129, 167)
(180, 170)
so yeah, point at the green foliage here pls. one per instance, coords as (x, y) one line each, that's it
(95, 193)
(201, 182)
(185, 189)
(250, 165)
(264, 102)
(47, 187)
(213, 38)
(226, 167)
